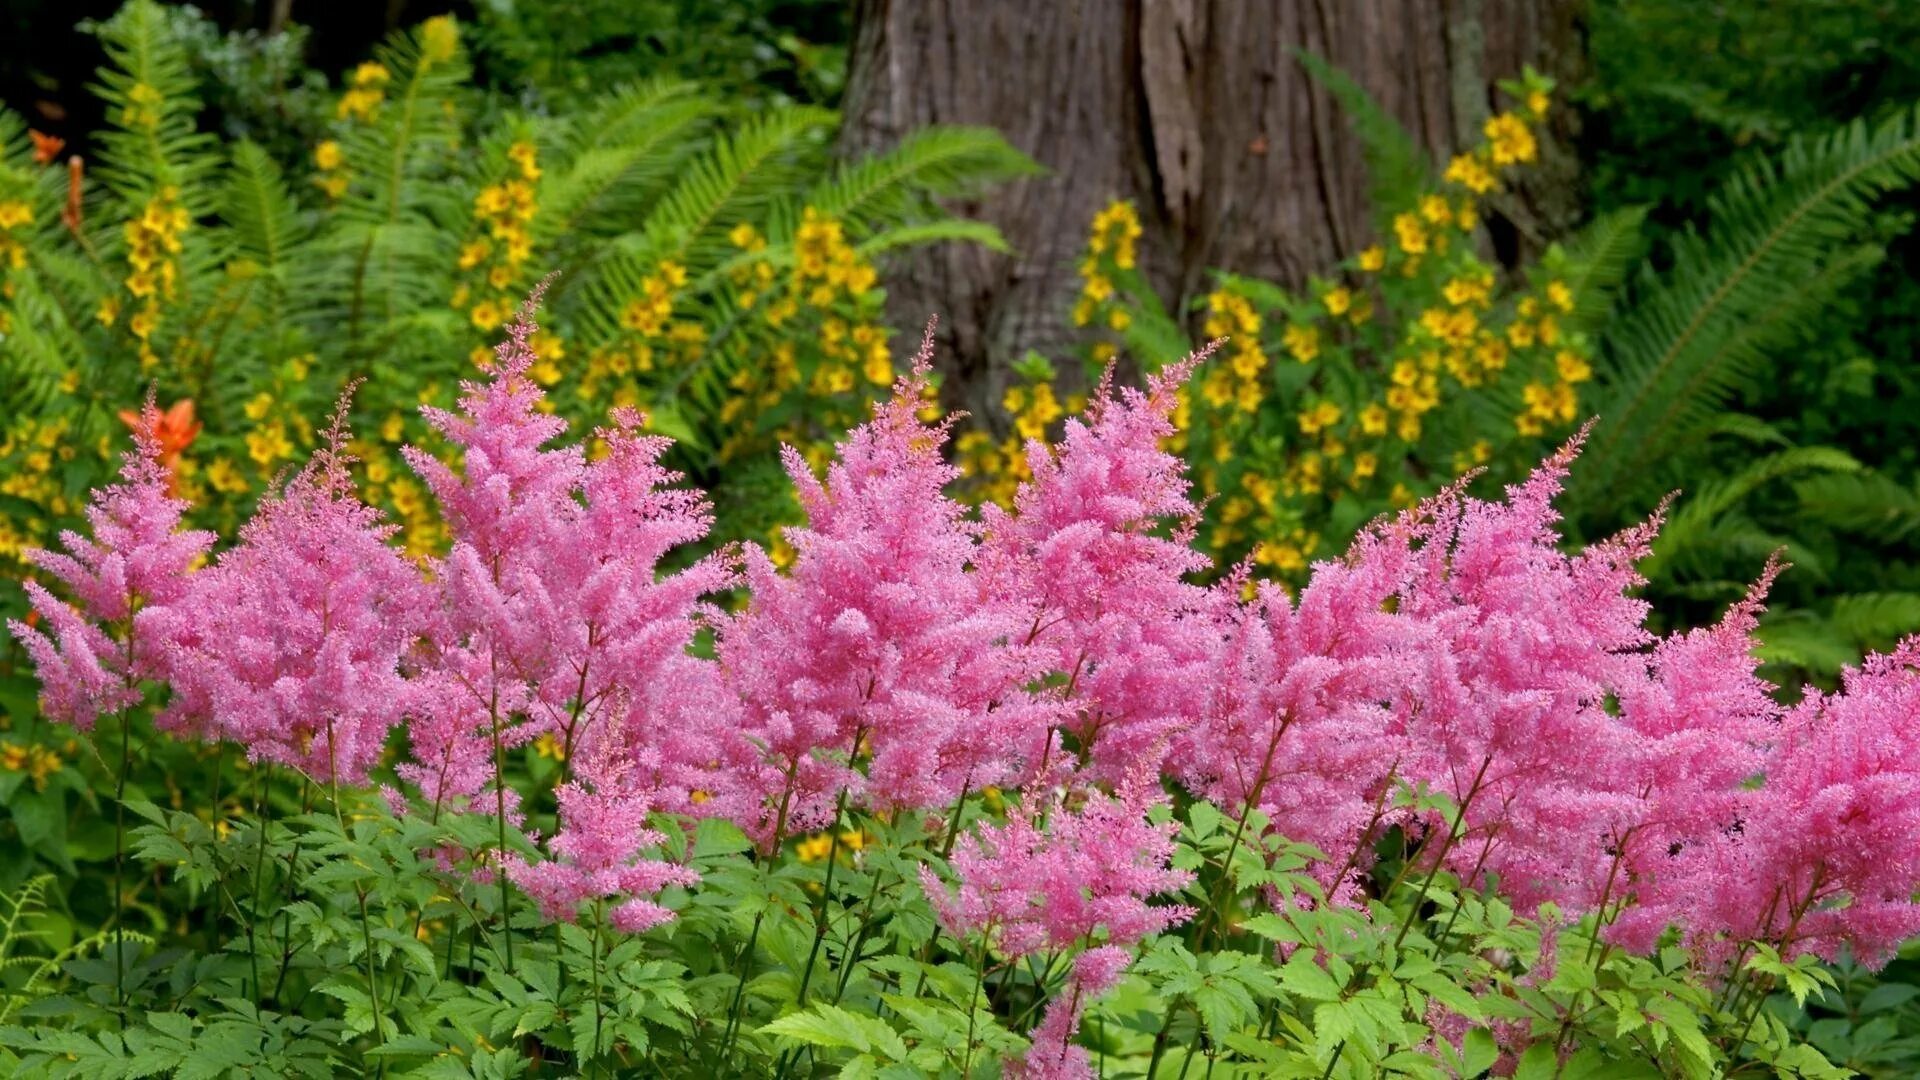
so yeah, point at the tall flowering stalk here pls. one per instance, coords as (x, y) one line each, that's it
(551, 621)
(881, 647)
(1065, 880)
(1086, 550)
(96, 656)
(1061, 650)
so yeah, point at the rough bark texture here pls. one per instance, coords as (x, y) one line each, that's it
(1200, 112)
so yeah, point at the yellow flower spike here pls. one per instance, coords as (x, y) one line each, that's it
(1559, 295)
(1411, 236)
(1468, 171)
(1302, 341)
(1509, 141)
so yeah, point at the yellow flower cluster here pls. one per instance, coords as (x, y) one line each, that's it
(329, 163)
(27, 458)
(817, 847)
(143, 108)
(366, 89)
(14, 215)
(996, 469)
(153, 261)
(38, 762)
(1110, 249)
(830, 288)
(658, 339)
(1374, 350)
(1255, 512)
(1238, 381)
(498, 243)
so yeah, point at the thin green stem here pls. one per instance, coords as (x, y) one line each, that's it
(360, 894)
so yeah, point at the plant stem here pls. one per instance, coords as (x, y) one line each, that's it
(599, 1004)
(973, 1001)
(1446, 848)
(360, 894)
(500, 817)
(119, 860)
(740, 988)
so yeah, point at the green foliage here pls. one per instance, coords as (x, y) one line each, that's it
(824, 958)
(256, 285)
(1779, 165)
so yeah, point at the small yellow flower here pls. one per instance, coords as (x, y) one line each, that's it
(1373, 259)
(1509, 140)
(1559, 295)
(1408, 231)
(1301, 341)
(327, 155)
(439, 39)
(1572, 367)
(1469, 172)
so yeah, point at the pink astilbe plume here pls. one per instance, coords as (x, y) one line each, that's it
(1700, 724)
(290, 644)
(137, 556)
(552, 618)
(1084, 544)
(1826, 855)
(1060, 878)
(598, 854)
(880, 641)
(1529, 643)
(1300, 723)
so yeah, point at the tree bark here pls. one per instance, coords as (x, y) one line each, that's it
(1197, 110)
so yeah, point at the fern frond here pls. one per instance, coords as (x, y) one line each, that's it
(935, 161)
(1704, 532)
(1875, 620)
(619, 156)
(152, 141)
(267, 228)
(1599, 259)
(1397, 169)
(384, 256)
(1867, 504)
(1783, 240)
(735, 178)
(949, 230)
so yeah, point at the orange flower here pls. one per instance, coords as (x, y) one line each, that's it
(175, 429)
(45, 147)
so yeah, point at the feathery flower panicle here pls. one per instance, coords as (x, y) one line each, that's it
(1115, 614)
(552, 619)
(1299, 722)
(290, 645)
(1528, 646)
(598, 854)
(1700, 724)
(879, 641)
(1824, 857)
(1056, 876)
(1077, 878)
(137, 556)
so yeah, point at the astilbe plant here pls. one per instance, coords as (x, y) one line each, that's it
(1456, 681)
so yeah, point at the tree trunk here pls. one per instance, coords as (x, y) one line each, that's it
(1197, 110)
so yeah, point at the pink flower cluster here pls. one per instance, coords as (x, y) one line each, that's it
(913, 655)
